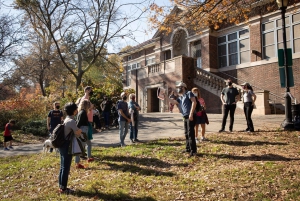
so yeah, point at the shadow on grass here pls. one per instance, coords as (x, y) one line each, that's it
(253, 157)
(138, 170)
(142, 161)
(245, 143)
(110, 197)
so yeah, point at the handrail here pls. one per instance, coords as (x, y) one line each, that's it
(275, 95)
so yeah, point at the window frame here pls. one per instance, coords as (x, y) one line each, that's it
(227, 42)
(275, 30)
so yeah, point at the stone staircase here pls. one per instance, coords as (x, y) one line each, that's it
(214, 84)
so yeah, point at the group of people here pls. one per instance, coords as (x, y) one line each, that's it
(79, 119)
(229, 97)
(80, 116)
(187, 102)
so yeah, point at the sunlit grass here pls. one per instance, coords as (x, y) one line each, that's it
(228, 167)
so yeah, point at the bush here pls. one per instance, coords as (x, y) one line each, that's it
(36, 127)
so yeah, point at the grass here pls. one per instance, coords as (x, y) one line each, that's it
(239, 166)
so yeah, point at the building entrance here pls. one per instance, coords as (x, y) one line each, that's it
(153, 101)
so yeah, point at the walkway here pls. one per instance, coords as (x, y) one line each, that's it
(161, 125)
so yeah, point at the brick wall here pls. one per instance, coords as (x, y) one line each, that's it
(255, 42)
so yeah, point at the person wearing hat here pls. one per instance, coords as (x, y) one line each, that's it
(124, 118)
(187, 102)
(249, 98)
(229, 97)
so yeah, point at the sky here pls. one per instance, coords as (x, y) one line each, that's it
(142, 34)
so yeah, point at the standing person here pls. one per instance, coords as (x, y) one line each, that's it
(55, 117)
(229, 98)
(249, 99)
(8, 135)
(135, 108)
(200, 116)
(96, 119)
(123, 118)
(105, 107)
(65, 156)
(172, 96)
(187, 103)
(114, 112)
(88, 92)
(83, 124)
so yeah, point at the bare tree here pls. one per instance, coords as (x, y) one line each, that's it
(83, 28)
(11, 36)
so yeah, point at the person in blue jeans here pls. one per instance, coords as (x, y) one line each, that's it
(187, 102)
(105, 107)
(65, 156)
(123, 118)
(135, 108)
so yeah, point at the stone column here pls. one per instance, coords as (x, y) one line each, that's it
(262, 106)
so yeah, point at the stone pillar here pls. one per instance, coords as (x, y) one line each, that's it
(262, 106)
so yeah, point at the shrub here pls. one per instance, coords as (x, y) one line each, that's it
(36, 127)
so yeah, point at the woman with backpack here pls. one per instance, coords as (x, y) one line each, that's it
(65, 156)
(201, 117)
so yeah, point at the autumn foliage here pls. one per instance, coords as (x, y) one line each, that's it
(198, 15)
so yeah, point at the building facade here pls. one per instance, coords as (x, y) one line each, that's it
(245, 53)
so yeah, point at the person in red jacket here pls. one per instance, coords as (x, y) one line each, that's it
(7, 134)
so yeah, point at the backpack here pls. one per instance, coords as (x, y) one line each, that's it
(58, 136)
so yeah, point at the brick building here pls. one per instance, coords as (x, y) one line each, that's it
(246, 53)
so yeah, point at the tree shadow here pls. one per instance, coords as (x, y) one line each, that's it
(253, 157)
(96, 195)
(138, 170)
(154, 162)
(246, 143)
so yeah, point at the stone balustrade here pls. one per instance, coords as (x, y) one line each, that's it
(210, 79)
(155, 68)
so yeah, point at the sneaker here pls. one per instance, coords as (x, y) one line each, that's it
(132, 141)
(11, 147)
(123, 145)
(230, 130)
(204, 139)
(90, 160)
(66, 191)
(222, 130)
(6, 149)
(137, 140)
(79, 166)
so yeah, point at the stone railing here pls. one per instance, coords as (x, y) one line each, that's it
(155, 68)
(210, 79)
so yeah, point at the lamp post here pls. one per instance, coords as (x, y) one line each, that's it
(287, 124)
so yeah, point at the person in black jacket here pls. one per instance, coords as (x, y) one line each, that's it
(83, 124)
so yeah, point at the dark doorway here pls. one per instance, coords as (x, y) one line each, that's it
(154, 100)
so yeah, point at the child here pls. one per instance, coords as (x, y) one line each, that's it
(7, 134)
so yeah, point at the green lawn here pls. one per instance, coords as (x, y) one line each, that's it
(238, 166)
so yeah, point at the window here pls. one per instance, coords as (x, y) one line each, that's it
(167, 54)
(196, 52)
(272, 38)
(129, 58)
(133, 66)
(150, 61)
(234, 48)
